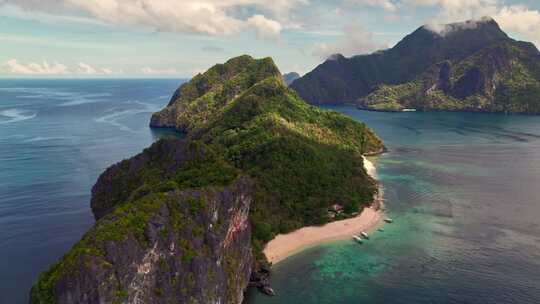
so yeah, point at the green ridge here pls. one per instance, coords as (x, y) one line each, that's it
(241, 120)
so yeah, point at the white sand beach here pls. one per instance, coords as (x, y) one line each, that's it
(288, 244)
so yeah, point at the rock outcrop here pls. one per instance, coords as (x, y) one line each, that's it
(162, 246)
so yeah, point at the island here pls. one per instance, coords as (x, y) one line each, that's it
(188, 219)
(290, 77)
(470, 66)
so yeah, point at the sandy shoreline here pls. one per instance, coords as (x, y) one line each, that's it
(285, 245)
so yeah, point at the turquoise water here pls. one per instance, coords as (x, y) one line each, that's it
(462, 189)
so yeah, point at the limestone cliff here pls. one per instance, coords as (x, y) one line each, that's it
(161, 246)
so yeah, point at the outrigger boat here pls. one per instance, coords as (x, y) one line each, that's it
(358, 239)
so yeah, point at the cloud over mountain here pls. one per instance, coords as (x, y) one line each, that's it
(516, 18)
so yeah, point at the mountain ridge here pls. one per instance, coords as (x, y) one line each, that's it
(186, 220)
(391, 73)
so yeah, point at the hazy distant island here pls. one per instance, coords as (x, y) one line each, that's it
(290, 77)
(469, 66)
(186, 221)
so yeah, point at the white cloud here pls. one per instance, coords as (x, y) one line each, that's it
(459, 10)
(86, 69)
(516, 18)
(13, 66)
(356, 41)
(264, 27)
(159, 72)
(212, 17)
(444, 29)
(387, 5)
(522, 20)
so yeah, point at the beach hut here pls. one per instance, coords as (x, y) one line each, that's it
(336, 209)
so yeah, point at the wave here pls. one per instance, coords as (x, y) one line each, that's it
(80, 99)
(20, 89)
(41, 138)
(115, 117)
(68, 98)
(162, 97)
(15, 115)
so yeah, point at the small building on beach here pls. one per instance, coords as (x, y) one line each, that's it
(335, 209)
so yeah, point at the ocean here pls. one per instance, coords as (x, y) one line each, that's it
(56, 137)
(461, 188)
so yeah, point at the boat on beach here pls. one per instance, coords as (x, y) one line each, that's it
(364, 235)
(358, 239)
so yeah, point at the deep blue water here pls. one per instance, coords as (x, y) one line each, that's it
(56, 137)
(461, 187)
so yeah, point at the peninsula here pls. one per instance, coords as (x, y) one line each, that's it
(186, 221)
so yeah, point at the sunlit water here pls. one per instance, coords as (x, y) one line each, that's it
(462, 189)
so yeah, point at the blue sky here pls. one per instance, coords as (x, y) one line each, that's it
(179, 38)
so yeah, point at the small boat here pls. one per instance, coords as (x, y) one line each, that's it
(358, 239)
(267, 290)
(380, 229)
(364, 235)
(388, 220)
(408, 110)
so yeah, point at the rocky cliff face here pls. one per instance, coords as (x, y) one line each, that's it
(472, 66)
(504, 77)
(181, 246)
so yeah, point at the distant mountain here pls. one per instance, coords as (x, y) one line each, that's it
(470, 66)
(290, 77)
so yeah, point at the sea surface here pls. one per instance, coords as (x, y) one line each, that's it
(462, 188)
(56, 137)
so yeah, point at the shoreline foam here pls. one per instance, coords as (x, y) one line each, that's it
(285, 245)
